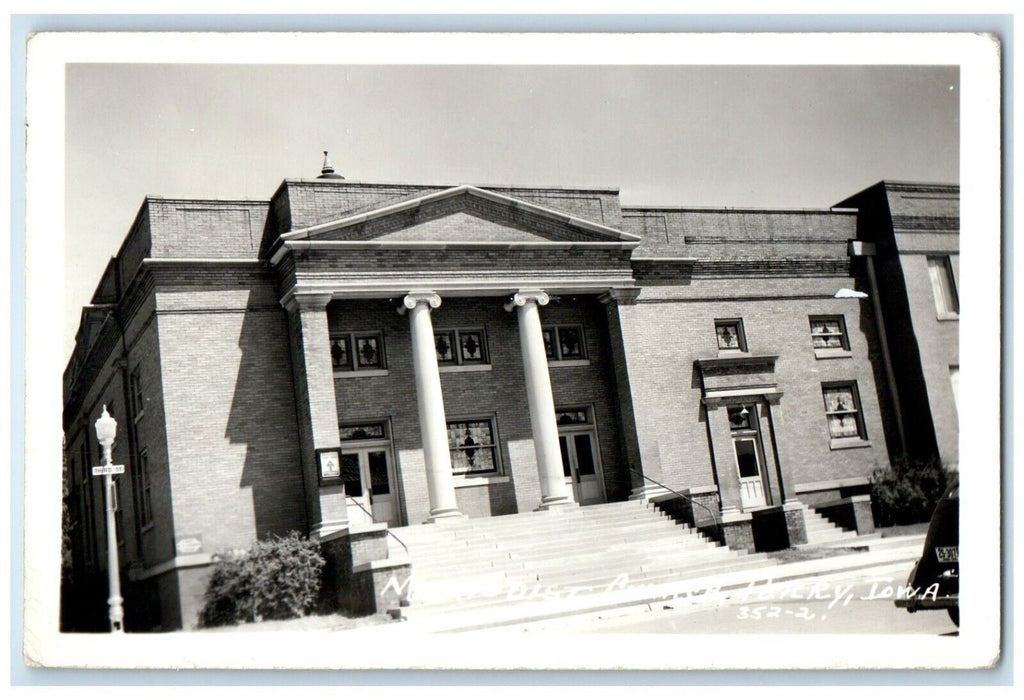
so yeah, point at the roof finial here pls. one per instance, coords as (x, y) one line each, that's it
(327, 172)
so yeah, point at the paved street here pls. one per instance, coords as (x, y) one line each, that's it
(858, 602)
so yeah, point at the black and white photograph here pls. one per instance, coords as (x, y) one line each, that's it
(513, 352)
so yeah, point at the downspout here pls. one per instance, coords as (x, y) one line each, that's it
(867, 251)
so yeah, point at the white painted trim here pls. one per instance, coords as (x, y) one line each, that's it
(378, 244)
(377, 286)
(554, 364)
(360, 373)
(831, 484)
(831, 353)
(445, 369)
(766, 391)
(462, 482)
(455, 192)
(848, 443)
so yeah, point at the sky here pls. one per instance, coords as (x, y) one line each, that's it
(739, 136)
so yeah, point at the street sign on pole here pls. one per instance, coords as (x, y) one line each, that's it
(108, 469)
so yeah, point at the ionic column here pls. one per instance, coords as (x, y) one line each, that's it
(433, 426)
(553, 489)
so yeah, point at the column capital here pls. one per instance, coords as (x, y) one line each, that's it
(526, 296)
(413, 299)
(622, 295)
(294, 301)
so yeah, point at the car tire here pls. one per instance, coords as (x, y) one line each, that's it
(954, 615)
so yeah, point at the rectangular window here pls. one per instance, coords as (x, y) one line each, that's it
(365, 431)
(354, 352)
(135, 390)
(467, 346)
(842, 409)
(473, 447)
(947, 303)
(564, 343)
(829, 333)
(729, 332)
(143, 493)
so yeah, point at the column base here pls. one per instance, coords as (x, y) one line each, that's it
(445, 515)
(557, 502)
(648, 492)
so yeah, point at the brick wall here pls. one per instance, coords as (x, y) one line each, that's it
(672, 327)
(938, 343)
(230, 414)
(206, 229)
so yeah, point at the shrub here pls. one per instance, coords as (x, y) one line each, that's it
(907, 491)
(275, 579)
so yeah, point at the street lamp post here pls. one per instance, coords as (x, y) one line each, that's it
(106, 429)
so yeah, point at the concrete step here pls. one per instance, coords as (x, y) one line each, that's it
(598, 562)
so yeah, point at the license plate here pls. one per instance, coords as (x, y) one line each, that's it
(946, 555)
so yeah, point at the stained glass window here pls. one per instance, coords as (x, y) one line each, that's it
(472, 447)
(472, 346)
(730, 335)
(461, 347)
(828, 332)
(572, 416)
(843, 411)
(340, 356)
(357, 351)
(564, 343)
(369, 431)
(444, 343)
(368, 351)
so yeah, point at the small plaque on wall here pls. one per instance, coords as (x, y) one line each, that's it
(189, 544)
(329, 461)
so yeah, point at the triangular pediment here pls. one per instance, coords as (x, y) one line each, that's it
(464, 215)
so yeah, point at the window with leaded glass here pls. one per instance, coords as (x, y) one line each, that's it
(572, 416)
(461, 347)
(842, 410)
(829, 333)
(472, 446)
(562, 343)
(730, 334)
(352, 352)
(364, 431)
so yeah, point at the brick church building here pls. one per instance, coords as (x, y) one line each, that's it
(351, 353)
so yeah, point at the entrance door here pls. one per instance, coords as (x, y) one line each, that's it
(580, 465)
(749, 464)
(367, 475)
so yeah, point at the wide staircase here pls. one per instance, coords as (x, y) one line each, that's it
(481, 568)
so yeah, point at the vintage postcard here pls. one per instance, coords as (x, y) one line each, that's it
(470, 351)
